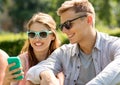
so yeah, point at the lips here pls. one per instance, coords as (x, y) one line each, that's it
(38, 44)
(70, 35)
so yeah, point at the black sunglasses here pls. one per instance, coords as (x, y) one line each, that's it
(68, 23)
(41, 34)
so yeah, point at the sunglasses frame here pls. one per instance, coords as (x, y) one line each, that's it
(68, 22)
(38, 33)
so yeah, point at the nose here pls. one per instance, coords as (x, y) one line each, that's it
(37, 37)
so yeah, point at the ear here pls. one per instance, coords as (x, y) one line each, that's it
(89, 20)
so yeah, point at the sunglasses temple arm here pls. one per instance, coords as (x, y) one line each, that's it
(78, 18)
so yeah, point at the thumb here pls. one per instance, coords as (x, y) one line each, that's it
(60, 77)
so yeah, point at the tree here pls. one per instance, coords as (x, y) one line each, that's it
(22, 10)
(107, 11)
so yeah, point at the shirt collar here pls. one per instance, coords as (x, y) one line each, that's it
(98, 41)
(75, 50)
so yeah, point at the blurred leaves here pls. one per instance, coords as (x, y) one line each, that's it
(20, 11)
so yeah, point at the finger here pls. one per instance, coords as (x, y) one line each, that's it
(14, 76)
(17, 75)
(15, 70)
(10, 74)
(60, 77)
(9, 66)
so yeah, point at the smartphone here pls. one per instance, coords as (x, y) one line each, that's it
(17, 62)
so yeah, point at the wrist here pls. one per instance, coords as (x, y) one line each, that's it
(6, 83)
(47, 75)
(48, 78)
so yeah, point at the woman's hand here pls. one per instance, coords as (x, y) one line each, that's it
(30, 83)
(9, 77)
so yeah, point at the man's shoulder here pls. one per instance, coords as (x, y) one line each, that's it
(67, 46)
(108, 38)
(108, 41)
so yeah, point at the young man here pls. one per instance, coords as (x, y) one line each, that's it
(91, 54)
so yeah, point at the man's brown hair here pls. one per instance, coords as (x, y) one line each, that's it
(82, 6)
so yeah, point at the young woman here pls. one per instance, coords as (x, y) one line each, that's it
(42, 41)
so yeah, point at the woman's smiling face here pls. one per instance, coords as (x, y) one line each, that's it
(40, 44)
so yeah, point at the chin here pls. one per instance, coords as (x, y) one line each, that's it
(72, 42)
(37, 50)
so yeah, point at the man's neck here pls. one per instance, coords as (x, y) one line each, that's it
(88, 44)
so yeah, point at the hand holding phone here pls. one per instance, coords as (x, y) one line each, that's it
(17, 62)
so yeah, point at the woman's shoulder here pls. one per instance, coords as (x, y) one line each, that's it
(24, 59)
(68, 46)
(23, 55)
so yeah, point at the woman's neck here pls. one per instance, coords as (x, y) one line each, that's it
(41, 55)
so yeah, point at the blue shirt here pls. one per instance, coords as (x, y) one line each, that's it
(105, 54)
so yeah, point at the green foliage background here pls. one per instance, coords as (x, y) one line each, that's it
(12, 47)
(20, 11)
(13, 44)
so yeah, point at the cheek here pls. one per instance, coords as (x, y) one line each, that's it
(31, 42)
(76, 30)
(48, 41)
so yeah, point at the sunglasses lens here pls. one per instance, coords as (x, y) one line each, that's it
(31, 34)
(43, 34)
(67, 25)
